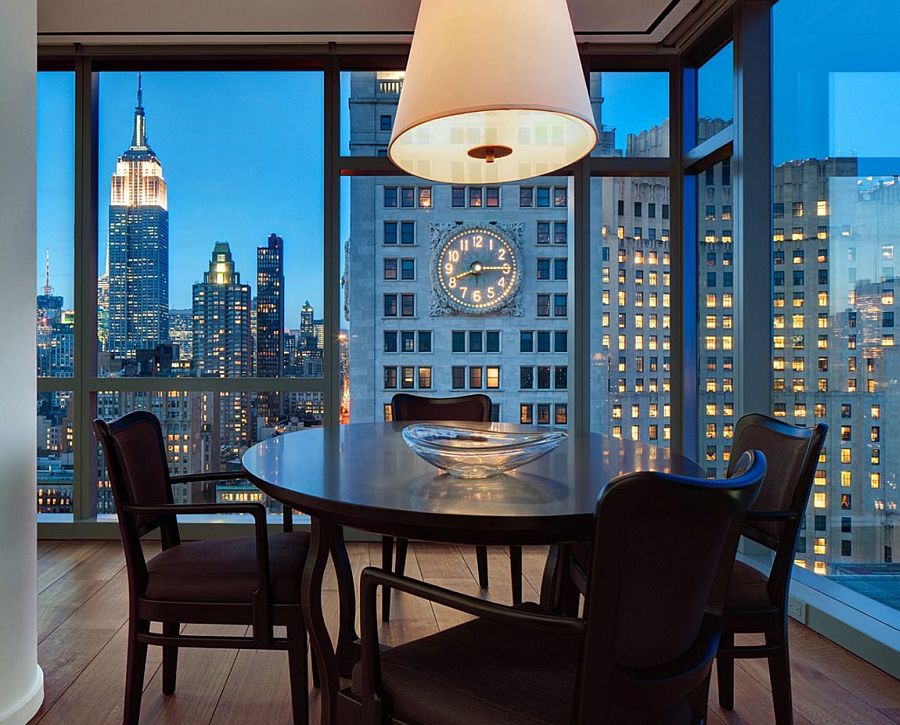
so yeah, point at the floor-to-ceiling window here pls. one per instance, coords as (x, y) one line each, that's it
(835, 229)
(55, 285)
(208, 284)
(631, 244)
(449, 289)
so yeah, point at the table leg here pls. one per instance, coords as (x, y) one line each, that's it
(348, 650)
(558, 592)
(322, 536)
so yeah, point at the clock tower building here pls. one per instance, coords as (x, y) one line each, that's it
(451, 290)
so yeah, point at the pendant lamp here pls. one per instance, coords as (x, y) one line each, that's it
(494, 91)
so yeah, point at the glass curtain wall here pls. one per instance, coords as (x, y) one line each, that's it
(835, 233)
(55, 292)
(449, 289)
(630, 250)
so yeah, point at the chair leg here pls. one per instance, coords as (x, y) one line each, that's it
(780, 679)
(515, 569)
(387, 563)
(725, 672)
(134, 670)
(481, 557)
(315, 672)
(699, 702)
(170, 659)
(402, 548)
(299, 671)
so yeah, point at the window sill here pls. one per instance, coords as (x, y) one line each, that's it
(105, 527)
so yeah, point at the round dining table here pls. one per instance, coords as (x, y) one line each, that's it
(365, 476)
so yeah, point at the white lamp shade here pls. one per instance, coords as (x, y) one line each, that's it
(497, 79)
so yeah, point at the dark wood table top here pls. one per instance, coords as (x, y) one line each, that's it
(365, 476)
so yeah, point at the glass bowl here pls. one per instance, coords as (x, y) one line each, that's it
(472, 453)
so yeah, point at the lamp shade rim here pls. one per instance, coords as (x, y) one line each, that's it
(588, 123)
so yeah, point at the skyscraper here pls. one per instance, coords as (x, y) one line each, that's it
(307, 326)
(221, 341)
(138, 246)
(270, 324)
(411, 326)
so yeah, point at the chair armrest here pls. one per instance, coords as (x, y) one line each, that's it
(771, 516)
(208, 476)
(373, 577)
(262, 616)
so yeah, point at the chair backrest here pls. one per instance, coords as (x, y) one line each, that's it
(407, 408)
(138, 472)
(793, 455)
(662, 555)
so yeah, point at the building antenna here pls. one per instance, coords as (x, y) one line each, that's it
(48, 290)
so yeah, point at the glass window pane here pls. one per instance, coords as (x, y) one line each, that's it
(715, 308)
(475, 289)
(208, 431)
(631, 109)
(630, 310)
(55, 223)
(210, 219)
(55, 461)
(837, 161)
(715, 93)
(358, 91)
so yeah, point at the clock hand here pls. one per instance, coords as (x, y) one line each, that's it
(504, 266)
(463, 274)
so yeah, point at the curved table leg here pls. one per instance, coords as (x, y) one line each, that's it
(348, 650)
(322, 537)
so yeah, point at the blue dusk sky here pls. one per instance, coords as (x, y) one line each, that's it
(242, 151)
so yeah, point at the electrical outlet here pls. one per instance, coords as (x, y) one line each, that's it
(797, 610)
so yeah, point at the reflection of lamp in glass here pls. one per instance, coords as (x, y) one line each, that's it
(494, 91)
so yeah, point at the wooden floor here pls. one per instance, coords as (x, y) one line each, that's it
(82, 611)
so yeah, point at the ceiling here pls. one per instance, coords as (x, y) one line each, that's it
(133, 21)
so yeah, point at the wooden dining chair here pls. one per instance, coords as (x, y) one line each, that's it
(406, 408)
(757, 603)
(644, 646)
(252, 580)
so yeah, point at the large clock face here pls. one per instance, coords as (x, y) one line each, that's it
(477, 270)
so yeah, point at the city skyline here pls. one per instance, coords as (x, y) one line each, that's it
(170, 97)
(269, 181)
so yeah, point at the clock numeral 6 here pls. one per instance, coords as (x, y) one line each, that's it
(476, 296)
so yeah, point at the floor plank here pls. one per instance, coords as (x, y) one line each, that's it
(201, 680)
(62, 559)
(82, 614)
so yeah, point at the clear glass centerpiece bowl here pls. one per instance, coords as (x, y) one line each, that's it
(478, 453)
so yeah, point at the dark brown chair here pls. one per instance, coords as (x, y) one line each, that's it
(406, 408)
(253, 580)
(663, 548)
(757, 603)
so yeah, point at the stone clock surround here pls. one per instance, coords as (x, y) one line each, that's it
(441, 233)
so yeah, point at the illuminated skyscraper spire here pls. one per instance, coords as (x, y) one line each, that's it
(139, 136)
(48, 289)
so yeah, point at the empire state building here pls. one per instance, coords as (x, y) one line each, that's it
(138, 246)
